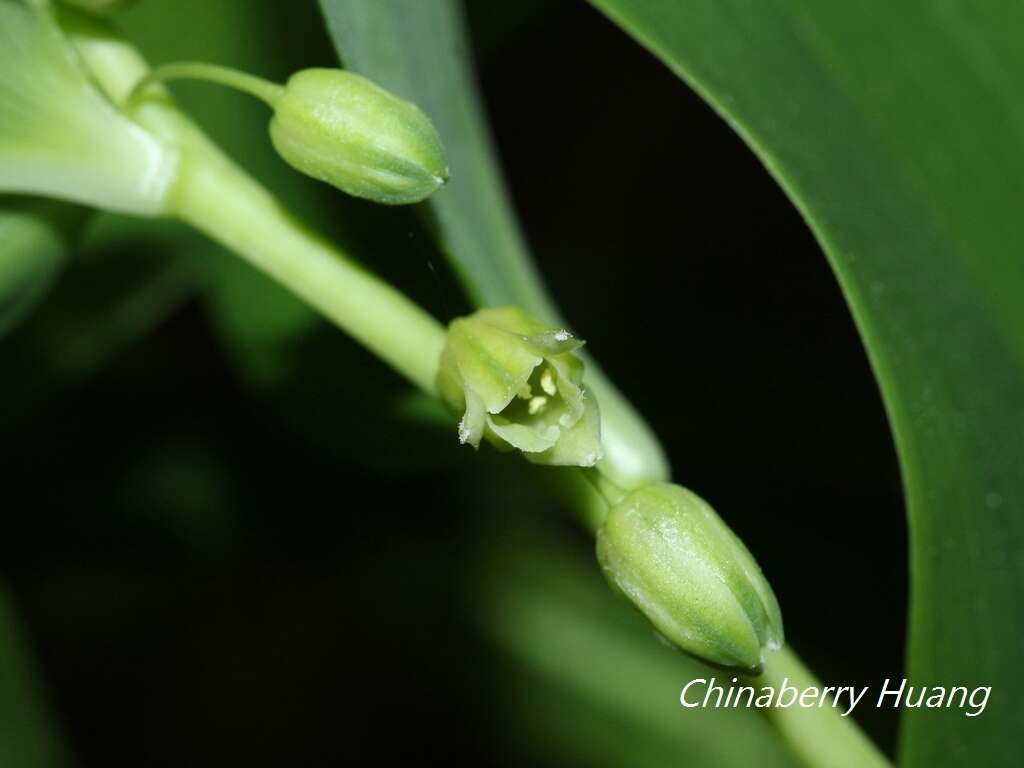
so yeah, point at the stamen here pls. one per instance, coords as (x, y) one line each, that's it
(536, 405)
(547, 382)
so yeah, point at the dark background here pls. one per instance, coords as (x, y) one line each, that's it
(217, 566)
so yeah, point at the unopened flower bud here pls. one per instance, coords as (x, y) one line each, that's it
(339, 127)
(668, 551)
(520, 384)
(343, 129)
(59, 136)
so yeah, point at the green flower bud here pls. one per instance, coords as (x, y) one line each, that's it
(59, 136)
(520, 384)
(340, 128)
(668, 552)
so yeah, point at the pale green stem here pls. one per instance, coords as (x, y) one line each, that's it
(223, 201)
(591, 494)
(820, 736)
(231, 208)
(194, 70)
(220, 199)
(579, 491)
(237, 212)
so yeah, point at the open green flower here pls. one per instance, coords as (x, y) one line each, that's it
(59, 136)
(520, 384)
(668, 551)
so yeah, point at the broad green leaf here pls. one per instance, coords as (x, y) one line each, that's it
(417, 49)
(33, 247)
(897, 129)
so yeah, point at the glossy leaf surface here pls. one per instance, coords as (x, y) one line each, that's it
(896, 129)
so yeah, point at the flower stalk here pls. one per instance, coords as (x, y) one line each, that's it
(706, 595)
(221, 200)
(518, 382)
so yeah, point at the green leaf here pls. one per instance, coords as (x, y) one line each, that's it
(417, 49)
(33, 247)
(897, 129)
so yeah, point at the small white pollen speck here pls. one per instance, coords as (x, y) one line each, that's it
(562, 335)
(463, 431)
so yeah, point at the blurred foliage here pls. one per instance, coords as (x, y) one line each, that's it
(28, 738)
(576, 651)
(109, 296)
(34, 241)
